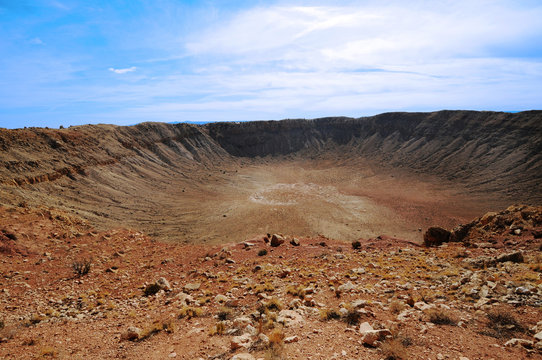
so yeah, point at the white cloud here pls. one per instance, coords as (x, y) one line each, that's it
(123, 71)
(36, 41)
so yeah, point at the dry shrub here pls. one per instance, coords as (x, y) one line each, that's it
(81, 267)
(440, 317)
(190, 312)
(224, 313)
(157, 326)
(329, 314)
(48, 351)
(397, 306)
(298, 291)
(274, 304)
(502, 324)
(394, 350)
(352, 317)
(276, 345)
(218, 329)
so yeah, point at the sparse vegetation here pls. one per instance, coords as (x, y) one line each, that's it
(190, 312)
(397, 306)
(298, 290)
(352, 317)
(81, 267)
(151, 289)
(394, 349)
(224, 313)
(440, 317)
(218, 329)
(157, 326)
(276, 345)
(329, 314)
(274, 304)
(502, 324)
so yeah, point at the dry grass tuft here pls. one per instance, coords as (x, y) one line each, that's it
(190, 312)
(440, 317)
(394, 350)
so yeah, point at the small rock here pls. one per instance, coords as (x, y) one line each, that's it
(277, 240)
(163, 284)
(172, 355)
(519, 342)
(349, 286)
(538, 336)
(192, 286)
(295, 242)
(291, 339)
(241, 341)
(131, 334)
(221, 298)
(372, 336)
(243, 356)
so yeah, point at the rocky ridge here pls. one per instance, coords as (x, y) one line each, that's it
(317, 298)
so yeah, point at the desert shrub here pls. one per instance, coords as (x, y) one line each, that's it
(48, 351)
(397, 306)
(276, 345)
(394, 350)
(224, 313)
(298, 290)
(267, 287)
(151, 289)
(81, 267)
(157, 326)
(262, 252)
(329, 314)
(274, 304)
(218, 329)
(190, 312)
(502, 324)
(352, 317)
(440, 317)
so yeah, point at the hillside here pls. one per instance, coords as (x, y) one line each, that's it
(388, 174)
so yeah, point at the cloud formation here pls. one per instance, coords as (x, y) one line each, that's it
(123, 71)
(280, 59)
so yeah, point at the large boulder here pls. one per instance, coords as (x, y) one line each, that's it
(435, 236)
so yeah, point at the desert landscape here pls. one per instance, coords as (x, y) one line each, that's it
(395, 236)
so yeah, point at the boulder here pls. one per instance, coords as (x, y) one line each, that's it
(435, 236)
(277, 240)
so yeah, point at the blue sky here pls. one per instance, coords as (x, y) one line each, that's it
(71, 62)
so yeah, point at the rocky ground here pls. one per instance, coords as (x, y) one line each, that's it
(68, 291)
